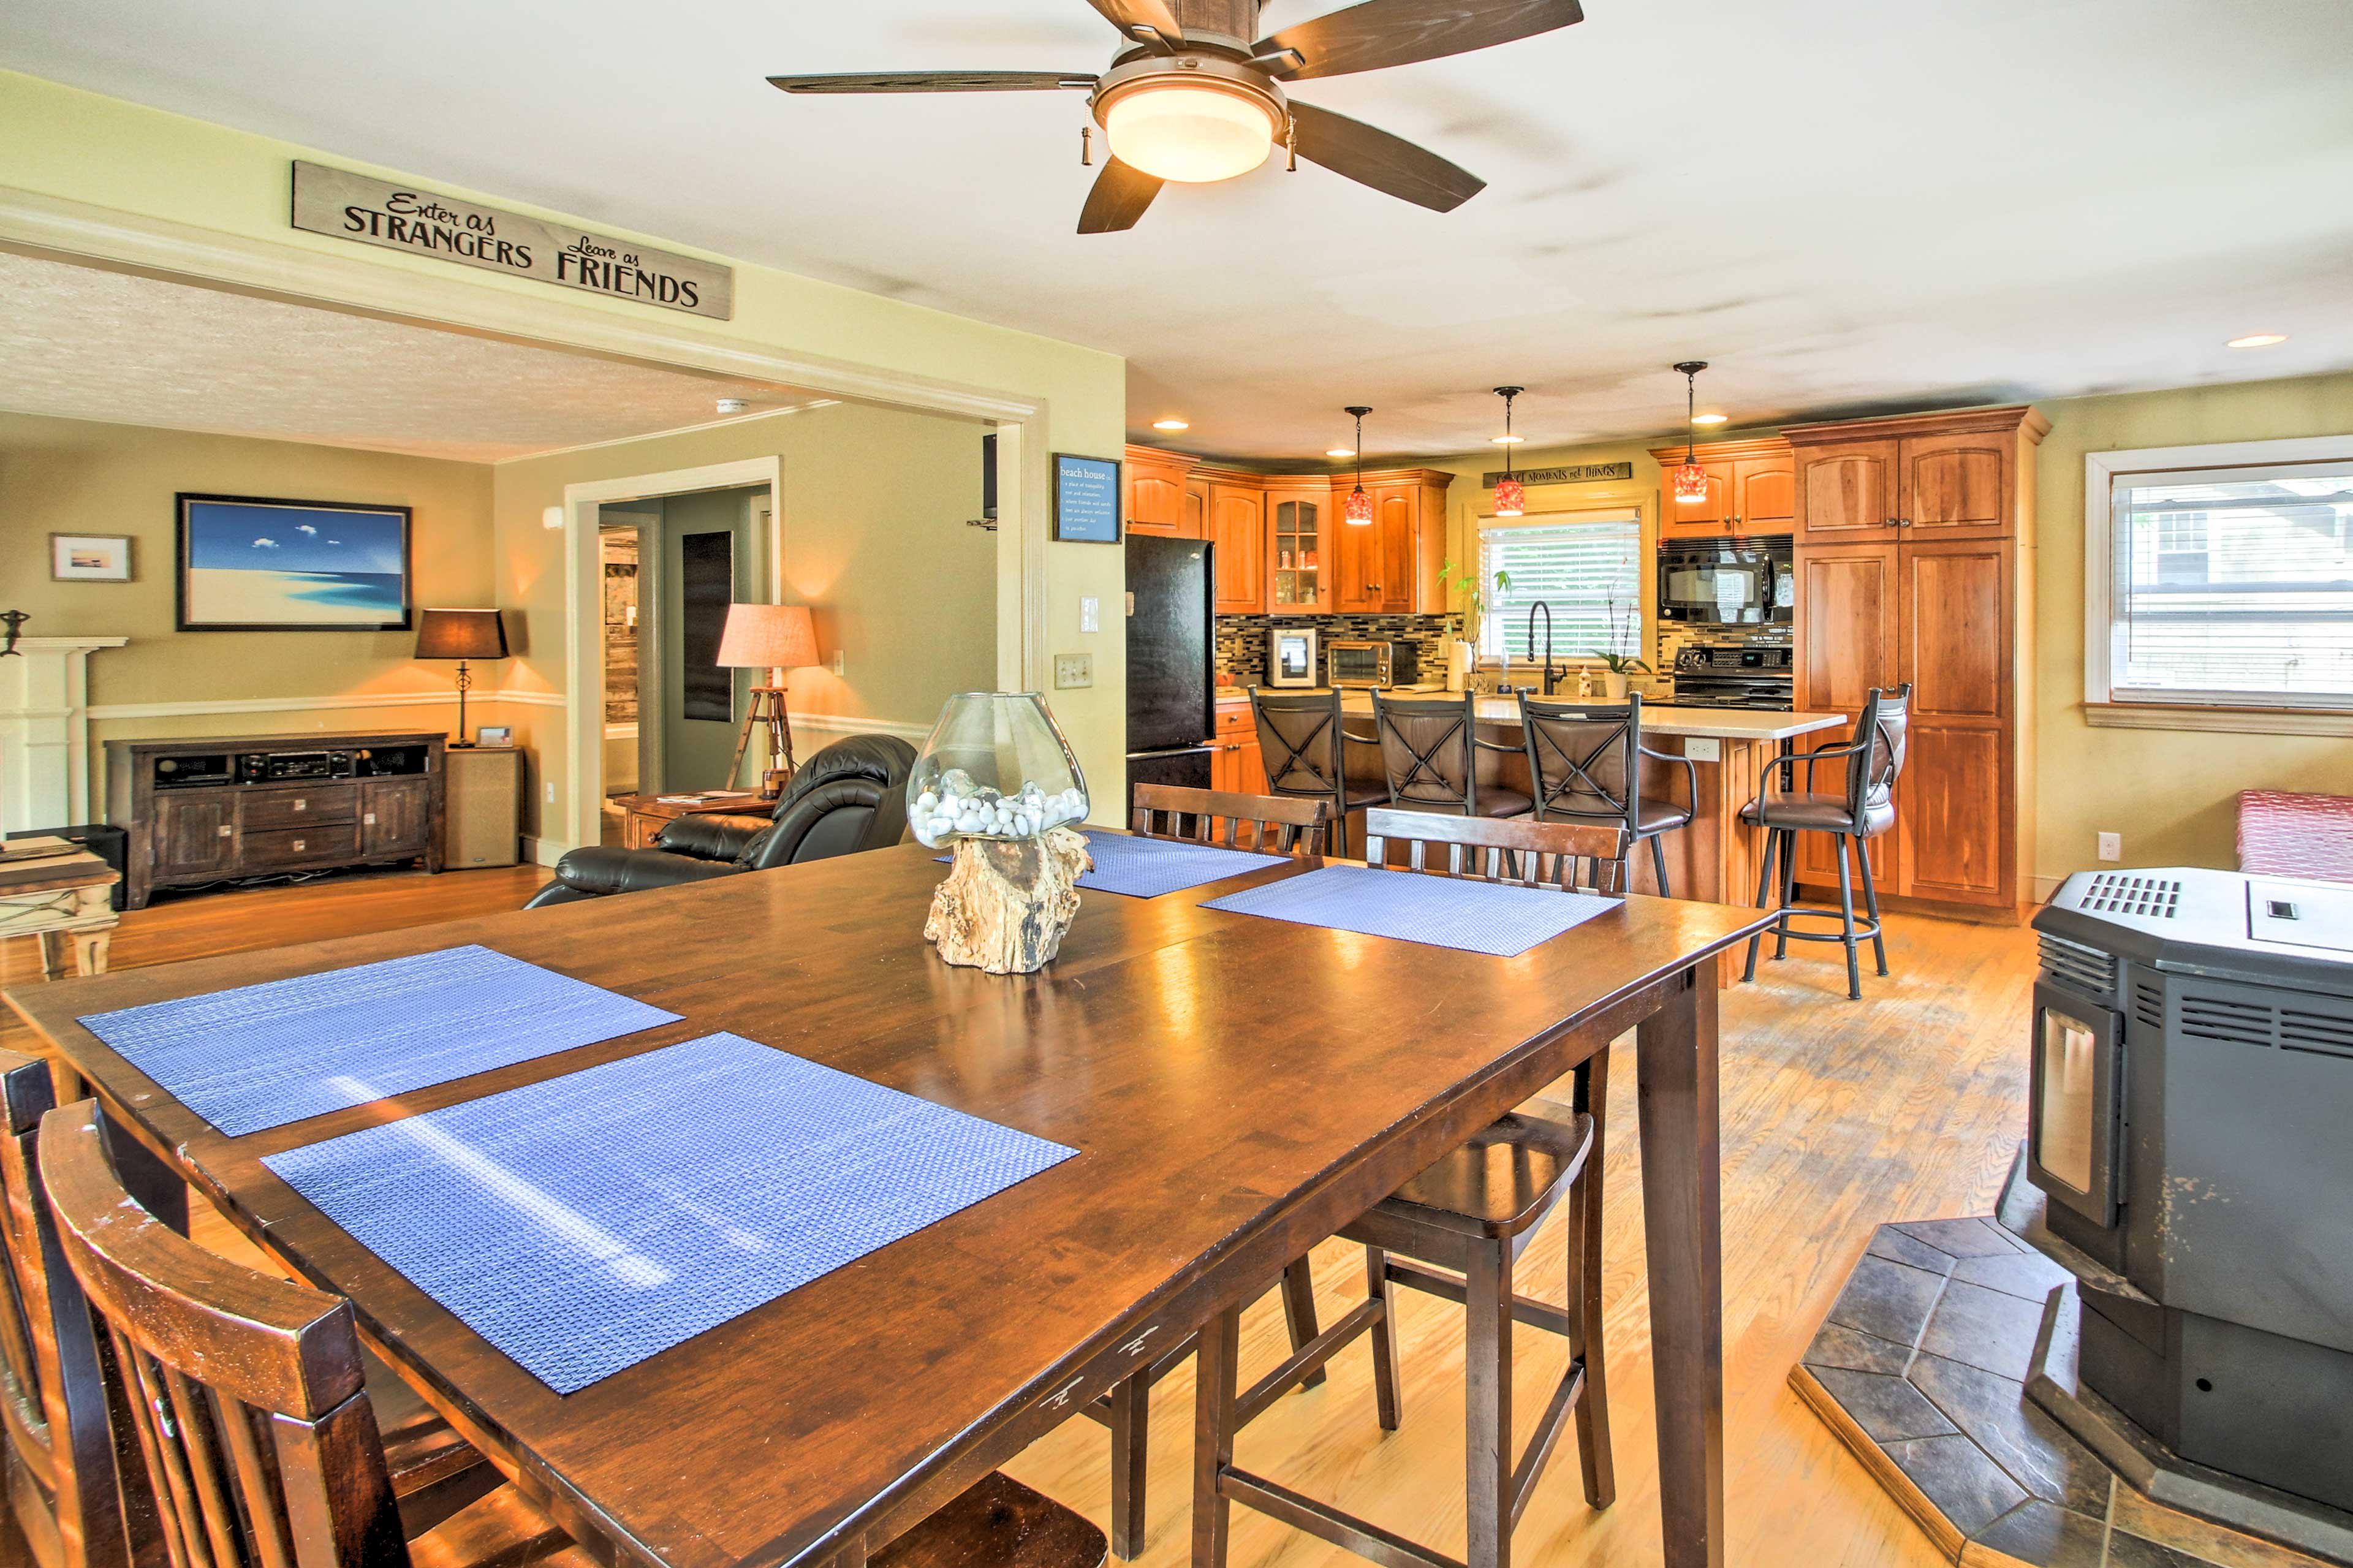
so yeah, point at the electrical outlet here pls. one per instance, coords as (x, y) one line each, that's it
(2112, 846)
(551, 792)
(841, 663)
(1090, 615)
(1073, 669)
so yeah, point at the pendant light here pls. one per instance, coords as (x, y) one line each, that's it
(1690, 480)
(1360, 508)
(1511, 496)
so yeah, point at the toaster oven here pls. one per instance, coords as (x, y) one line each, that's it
(1374, 663)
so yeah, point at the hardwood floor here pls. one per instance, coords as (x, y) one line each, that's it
(1838, 1115)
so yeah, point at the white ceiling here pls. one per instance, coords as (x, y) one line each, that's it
(1846, 205)
(79, 343)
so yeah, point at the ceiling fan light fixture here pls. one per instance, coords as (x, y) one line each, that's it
(1193, 132)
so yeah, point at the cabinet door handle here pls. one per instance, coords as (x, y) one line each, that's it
(369, 819)
(302, 805)
(298, 844)
(223, 831)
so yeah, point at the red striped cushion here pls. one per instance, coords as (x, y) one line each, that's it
(2283, 833)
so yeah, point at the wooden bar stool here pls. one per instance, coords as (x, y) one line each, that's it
(1303, 741)
(1472, 1213)
(1584, 763)
(1860, 811)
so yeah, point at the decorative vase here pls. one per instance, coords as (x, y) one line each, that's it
(997, 783)
(1613, 686)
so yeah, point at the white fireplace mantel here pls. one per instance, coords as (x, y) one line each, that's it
(45, 731)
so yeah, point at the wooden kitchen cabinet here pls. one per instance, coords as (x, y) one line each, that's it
(1237, 530)
(1237, 764)
(1751, 488)
(1156, 489)
(1968, 475)
(1391, 566)
(1298, 535)
(1939, 599)
(1196, 506)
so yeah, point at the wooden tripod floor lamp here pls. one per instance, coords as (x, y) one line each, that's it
(777, 638)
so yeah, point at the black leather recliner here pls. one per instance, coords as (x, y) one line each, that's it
(850, 797)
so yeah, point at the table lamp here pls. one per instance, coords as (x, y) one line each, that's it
(460, 635)
(773, 637)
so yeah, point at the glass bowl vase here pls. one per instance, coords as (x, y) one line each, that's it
(994, 766)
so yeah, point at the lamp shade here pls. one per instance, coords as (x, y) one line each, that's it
(767, 636)
(460, 634)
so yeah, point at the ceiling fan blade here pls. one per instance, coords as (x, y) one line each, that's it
(934, 81)
(1127, 15)
(1381, 32)
(1121, 193)
(1387, 163)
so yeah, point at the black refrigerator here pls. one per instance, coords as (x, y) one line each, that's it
(1172, 654)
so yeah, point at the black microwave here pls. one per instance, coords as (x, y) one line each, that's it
(1727, 582)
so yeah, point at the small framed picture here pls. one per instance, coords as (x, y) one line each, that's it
(1086, 498)
(89, 557)
(494, 735)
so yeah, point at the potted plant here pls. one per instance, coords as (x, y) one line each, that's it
(1617, 666)
(1475, 606)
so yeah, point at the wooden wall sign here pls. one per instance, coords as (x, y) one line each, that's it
(1574, 474)
(425, 223)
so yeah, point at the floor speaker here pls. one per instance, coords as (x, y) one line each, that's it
(485, 807)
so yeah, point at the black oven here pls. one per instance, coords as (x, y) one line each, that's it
(1727, 582)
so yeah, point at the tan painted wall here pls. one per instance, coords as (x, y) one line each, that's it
(2171, 793)
(875, 502)
(69, 476)
(145, 163)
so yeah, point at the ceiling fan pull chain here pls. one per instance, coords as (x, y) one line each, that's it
(1086, 146)
(1291, 141)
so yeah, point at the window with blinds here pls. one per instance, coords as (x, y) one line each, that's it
(2233, 586)
(1589, 573)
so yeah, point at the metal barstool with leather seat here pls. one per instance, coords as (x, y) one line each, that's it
(1464, 1223)
(1301, 741)
(1429, 749)
(1859, 812)
(1584, 762)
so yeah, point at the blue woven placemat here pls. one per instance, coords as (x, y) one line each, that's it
(263, 1056)
(1441, 912)
(1138, 868)
(583, 1224)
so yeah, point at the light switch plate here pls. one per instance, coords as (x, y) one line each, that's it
(1090, 615)
(1703, 748)
(1072, 669)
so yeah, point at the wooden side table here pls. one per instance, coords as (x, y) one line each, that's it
(648, 813)
(64, 900)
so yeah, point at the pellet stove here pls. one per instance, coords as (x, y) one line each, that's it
(2191, 1122)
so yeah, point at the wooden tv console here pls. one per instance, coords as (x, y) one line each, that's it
(204, 809)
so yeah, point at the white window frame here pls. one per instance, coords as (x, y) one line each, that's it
(2104, 705)
(1586, 503)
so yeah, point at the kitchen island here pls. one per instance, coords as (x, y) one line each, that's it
(1713, 858)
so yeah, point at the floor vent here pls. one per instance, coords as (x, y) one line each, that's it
(2123, 893)
(2086, 969)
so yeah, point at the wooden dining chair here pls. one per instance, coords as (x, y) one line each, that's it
(64, 1472)
(1277, 825)
(1456, 1231)
(253, 1418)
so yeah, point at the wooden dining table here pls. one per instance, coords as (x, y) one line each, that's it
(1237, 1090)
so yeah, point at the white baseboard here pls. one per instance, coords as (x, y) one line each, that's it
(543, 851)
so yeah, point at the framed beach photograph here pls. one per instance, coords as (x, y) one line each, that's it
(89, 557)
(251, 563)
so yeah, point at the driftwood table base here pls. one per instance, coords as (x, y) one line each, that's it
(1005, 905)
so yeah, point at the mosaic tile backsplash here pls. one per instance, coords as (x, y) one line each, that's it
(1242, 640)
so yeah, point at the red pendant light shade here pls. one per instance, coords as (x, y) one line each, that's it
(1690, 480)
(1358, 508)
(1511, 496)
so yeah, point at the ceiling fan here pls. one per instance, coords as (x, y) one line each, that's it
(1188, 97)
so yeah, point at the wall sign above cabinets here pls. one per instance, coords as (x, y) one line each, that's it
(1574, 474)
(425, 223)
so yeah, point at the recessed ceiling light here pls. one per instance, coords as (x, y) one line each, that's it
(1170, 425)
(1341, 452)
(1506, 440)
(1710, 418)
(2256, 341)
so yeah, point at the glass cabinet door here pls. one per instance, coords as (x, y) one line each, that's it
(1298, 554)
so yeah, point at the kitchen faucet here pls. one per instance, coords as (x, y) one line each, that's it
(1548, 672)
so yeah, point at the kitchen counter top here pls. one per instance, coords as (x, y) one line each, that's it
(1658, 717)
